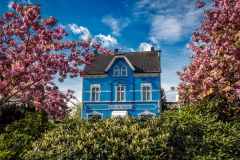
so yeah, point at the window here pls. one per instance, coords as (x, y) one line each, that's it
(124, 71)
(146, 115)
(95, 92)
(120, 92)
(146, 91)
(95, 116)
(116, 71)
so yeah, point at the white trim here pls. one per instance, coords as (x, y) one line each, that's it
(146, 84)
(141, 90)
(122, 114)
(116, 68)
(155, 107)
(128, 101)
(146, 74)
(96, 76)
(134, 90)
(99, 91)
(118, 57)
(124, 91)
(122, 71)
(146, 113)
(95, 113)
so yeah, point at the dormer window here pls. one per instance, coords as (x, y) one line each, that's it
(116, 71)
(124, 71)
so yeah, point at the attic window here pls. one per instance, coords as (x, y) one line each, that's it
(116, 71)
(124, 71)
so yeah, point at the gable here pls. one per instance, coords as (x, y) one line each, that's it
(119, 67)
(119, 57)
(139, 62)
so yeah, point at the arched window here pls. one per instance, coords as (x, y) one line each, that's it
(95, 115)
(116, 71)
(146, 114)
(124, 71)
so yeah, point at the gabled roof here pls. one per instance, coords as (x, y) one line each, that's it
(118, 57)
(140, 62)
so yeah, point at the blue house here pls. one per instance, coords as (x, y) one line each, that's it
(124, 84)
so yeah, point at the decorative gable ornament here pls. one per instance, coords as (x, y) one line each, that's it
(118, 57)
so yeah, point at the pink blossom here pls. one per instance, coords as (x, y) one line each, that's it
(31, 66)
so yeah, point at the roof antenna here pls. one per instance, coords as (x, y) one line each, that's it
(122, 47)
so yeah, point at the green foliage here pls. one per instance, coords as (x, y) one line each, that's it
(17, 138)
(12, 112)
(196, 132)
(76, 109)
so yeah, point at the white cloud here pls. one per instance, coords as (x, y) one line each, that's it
(167, 29)
(155, 41)
(115, 24)
(171, 21)
(61, 25)
(10, 4)
(144, 46)
(130, 50)
(106, 41)
(28, 1)
(187, 50)
(85, 34)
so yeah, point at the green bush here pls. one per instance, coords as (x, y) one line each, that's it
(196, 132)
(17, 138)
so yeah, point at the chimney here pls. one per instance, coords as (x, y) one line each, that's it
(116, 50)
(152, 49)
(95, 52)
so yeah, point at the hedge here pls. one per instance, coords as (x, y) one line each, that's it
(196, 132)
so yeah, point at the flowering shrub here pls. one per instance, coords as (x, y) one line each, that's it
(31, 53)
(197, 132)
(216, 63)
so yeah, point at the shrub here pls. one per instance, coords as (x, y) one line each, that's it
(196, 132)
(17, 138)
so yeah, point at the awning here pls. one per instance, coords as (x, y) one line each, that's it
(119, 114)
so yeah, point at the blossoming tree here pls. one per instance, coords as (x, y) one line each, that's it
(31, 55)
(216, 63)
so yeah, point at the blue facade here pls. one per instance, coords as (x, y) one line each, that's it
(121, 91)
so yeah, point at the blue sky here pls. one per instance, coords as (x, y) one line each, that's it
(138, 24)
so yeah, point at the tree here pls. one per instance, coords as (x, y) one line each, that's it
(31, 53)
(215, 67)
(163, 100)
(76, 109)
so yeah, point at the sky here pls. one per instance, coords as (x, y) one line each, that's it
(128, 25)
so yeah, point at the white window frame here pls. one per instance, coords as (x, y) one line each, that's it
(98, 97)
(146, 113)
(124, 92)
(116, 69)
(94, 113)
(145, 92)
(124, 68)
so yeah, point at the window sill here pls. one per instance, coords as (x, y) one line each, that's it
(120, 76)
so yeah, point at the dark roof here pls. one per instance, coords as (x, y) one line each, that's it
(143, 62)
